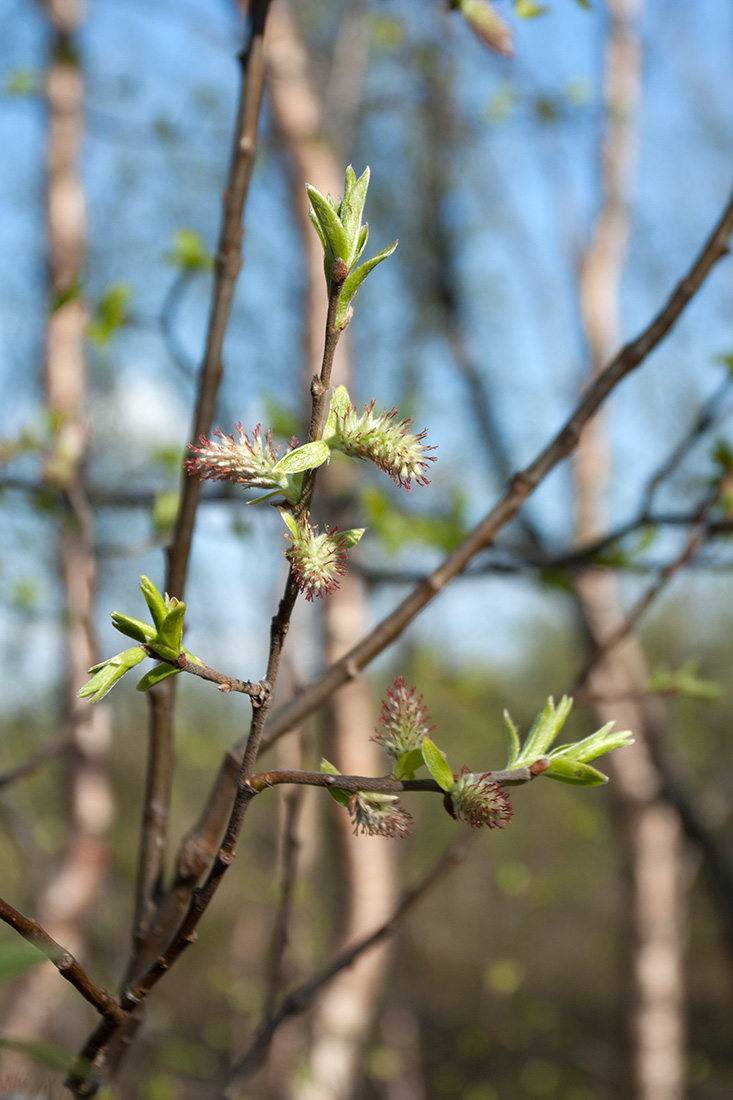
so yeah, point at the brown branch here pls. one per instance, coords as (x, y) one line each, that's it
(520, 488)
(301, 998)
(383, 784)
(64, 961)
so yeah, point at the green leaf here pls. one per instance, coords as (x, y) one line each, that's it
(17, 956)
(107, 673)
(307, 457)
(352, 210)
(111, 313)
(408, 764)
(437, 765)
(156, 604)
(585, 4)
(168, 642)
(132, 628)
(355, 279)
(332, 229)
(289, 522)
(352, 536)
(361, 243)
(512, 737)
(156, 676)
(342, 797)
(545, 729)
(597, 744)
(574, 772)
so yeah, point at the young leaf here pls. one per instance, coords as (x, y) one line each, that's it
(289, 522)
(408, 764)
(512, 737)
(352, 210)
(574, 772)
(154, 600)
(342, 797)
(156, 676)
(545, 729)
(356, 278)
(169, 639)
(107, 673)
(330, 223)
(132, 628)
(307, 457)
(437, 765)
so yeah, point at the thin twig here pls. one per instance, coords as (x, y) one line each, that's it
(692, 544)
(384, 784)
(34, 762)
(301, 998)
(64, 961)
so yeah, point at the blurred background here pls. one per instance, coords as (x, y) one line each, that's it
(546, 203)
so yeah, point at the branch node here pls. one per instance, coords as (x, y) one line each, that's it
(352, 670)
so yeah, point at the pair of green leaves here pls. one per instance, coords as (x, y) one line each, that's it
(344, 236)
(164, 637)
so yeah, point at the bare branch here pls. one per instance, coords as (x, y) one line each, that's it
(64, 961)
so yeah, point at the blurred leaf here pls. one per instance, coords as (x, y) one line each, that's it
(17, 956)
(684, 681)
(110, 314)
(20, 82)
(529, 9)
(189, 253)
(285, 423)
(398, 529)
(487, 25)
(165, 509)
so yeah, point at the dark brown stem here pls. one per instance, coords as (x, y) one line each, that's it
(383, 784)
(259, 691)
(64, 961)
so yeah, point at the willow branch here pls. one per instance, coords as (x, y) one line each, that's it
(383, 784)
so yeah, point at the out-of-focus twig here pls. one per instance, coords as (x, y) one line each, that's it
(301, 998)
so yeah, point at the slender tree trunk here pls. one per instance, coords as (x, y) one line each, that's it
(72, 889)
(652, 829)
(366, 877)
